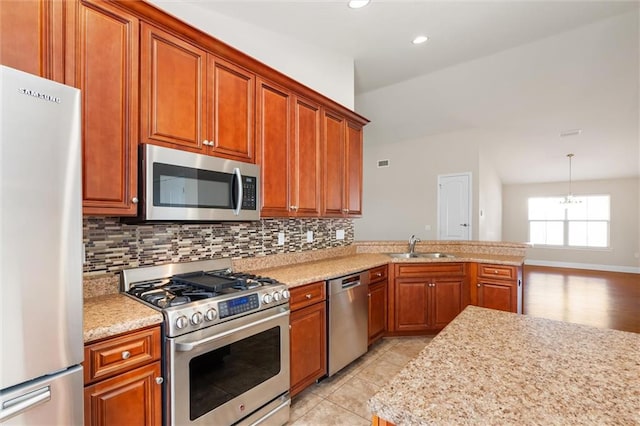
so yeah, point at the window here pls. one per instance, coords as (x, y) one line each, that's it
(584, 224)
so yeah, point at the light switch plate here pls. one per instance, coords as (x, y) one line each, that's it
(280, 238)
(309, 236)
(340, 234)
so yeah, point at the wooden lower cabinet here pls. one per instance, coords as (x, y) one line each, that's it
(123, 380)
(497, 287)
(132, 398)
(425, 297)
(377, 311)
(308, 336)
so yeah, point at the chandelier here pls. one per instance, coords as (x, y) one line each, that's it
(569, 199)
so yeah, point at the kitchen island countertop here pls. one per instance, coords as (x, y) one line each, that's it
(493, 367)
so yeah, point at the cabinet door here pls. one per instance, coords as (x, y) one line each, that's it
(354, 169)
(308, 348)
(31, 37)
(305, 159)
(498, 295)
(108, 79)
(334, 161)
(274, 131)
(173, 90)
(232, 100)
(446, 298)
(377, 310)
(133, 398)
(411, 308)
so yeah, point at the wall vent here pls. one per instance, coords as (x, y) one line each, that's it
(383, 163)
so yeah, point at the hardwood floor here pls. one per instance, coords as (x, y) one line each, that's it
(597, 298)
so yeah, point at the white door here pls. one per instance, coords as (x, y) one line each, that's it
(454, 207)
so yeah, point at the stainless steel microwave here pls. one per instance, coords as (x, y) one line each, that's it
(185, 186)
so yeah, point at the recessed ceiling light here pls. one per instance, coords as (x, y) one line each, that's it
(572, 132)
(357, 4)
(420, 39)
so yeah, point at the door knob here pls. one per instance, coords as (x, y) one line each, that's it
(464, 224)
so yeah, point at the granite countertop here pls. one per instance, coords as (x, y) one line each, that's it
(304, 273)
(111, 314)
(493, 367)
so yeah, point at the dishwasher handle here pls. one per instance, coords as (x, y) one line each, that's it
(350, 284)
(339, 285)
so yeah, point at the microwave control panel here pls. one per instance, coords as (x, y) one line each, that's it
(249, 189)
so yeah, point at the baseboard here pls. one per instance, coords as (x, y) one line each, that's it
(590, 266)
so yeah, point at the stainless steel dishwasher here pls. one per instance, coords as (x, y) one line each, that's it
(348, 319)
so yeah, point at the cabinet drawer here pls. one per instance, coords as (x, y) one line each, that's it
(430, 269)
(503, 272)
(378, 274)
(119, 354)
(307, 295)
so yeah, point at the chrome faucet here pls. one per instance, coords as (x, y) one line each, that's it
(412, 243)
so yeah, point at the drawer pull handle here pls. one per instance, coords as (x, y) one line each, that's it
(308, 296)
(379, 274)
(126, 354)
(159, 380)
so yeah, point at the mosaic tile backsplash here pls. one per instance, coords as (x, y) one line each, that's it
(111, 246)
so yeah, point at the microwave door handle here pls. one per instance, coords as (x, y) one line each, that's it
(238, 206)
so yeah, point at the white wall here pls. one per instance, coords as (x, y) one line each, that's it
(400, 200)
(625, 224)
(326, 72)
(489, 201)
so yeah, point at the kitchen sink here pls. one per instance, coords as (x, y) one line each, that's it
(435, 255)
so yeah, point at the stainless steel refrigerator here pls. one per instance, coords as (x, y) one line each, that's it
(40, 252)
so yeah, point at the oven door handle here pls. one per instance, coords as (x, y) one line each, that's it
(188, 346)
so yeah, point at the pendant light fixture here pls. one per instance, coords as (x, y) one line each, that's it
(569, 199)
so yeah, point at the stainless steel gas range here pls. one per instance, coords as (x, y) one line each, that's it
(226, 342)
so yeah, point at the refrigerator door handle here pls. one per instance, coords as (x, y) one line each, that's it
(22, 403)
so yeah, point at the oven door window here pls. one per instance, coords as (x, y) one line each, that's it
(229, 371)
(177, 186)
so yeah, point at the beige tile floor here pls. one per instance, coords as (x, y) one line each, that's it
(342, 398)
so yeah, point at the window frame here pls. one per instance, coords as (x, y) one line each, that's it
(566, 222)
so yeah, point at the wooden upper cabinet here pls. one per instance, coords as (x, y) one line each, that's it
(306, 154)
(32, 34)
(274, 133)
(354, 169)
(342, 166)
(173, 90)
(231, 115)
(334, 161)
(288, 152)
(108, 79)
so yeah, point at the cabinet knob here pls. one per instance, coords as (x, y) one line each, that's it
(495, 271)
(308, 296)
(293, 208)
(134, 200)
(159, 380)
(126, 354)
(478, 285)
(345, 210)
(379, 274)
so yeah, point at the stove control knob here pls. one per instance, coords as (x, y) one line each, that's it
(285, 294)
(210, 315)
(277, 296)
(267, 298)
(182, 322)
(196, 318)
